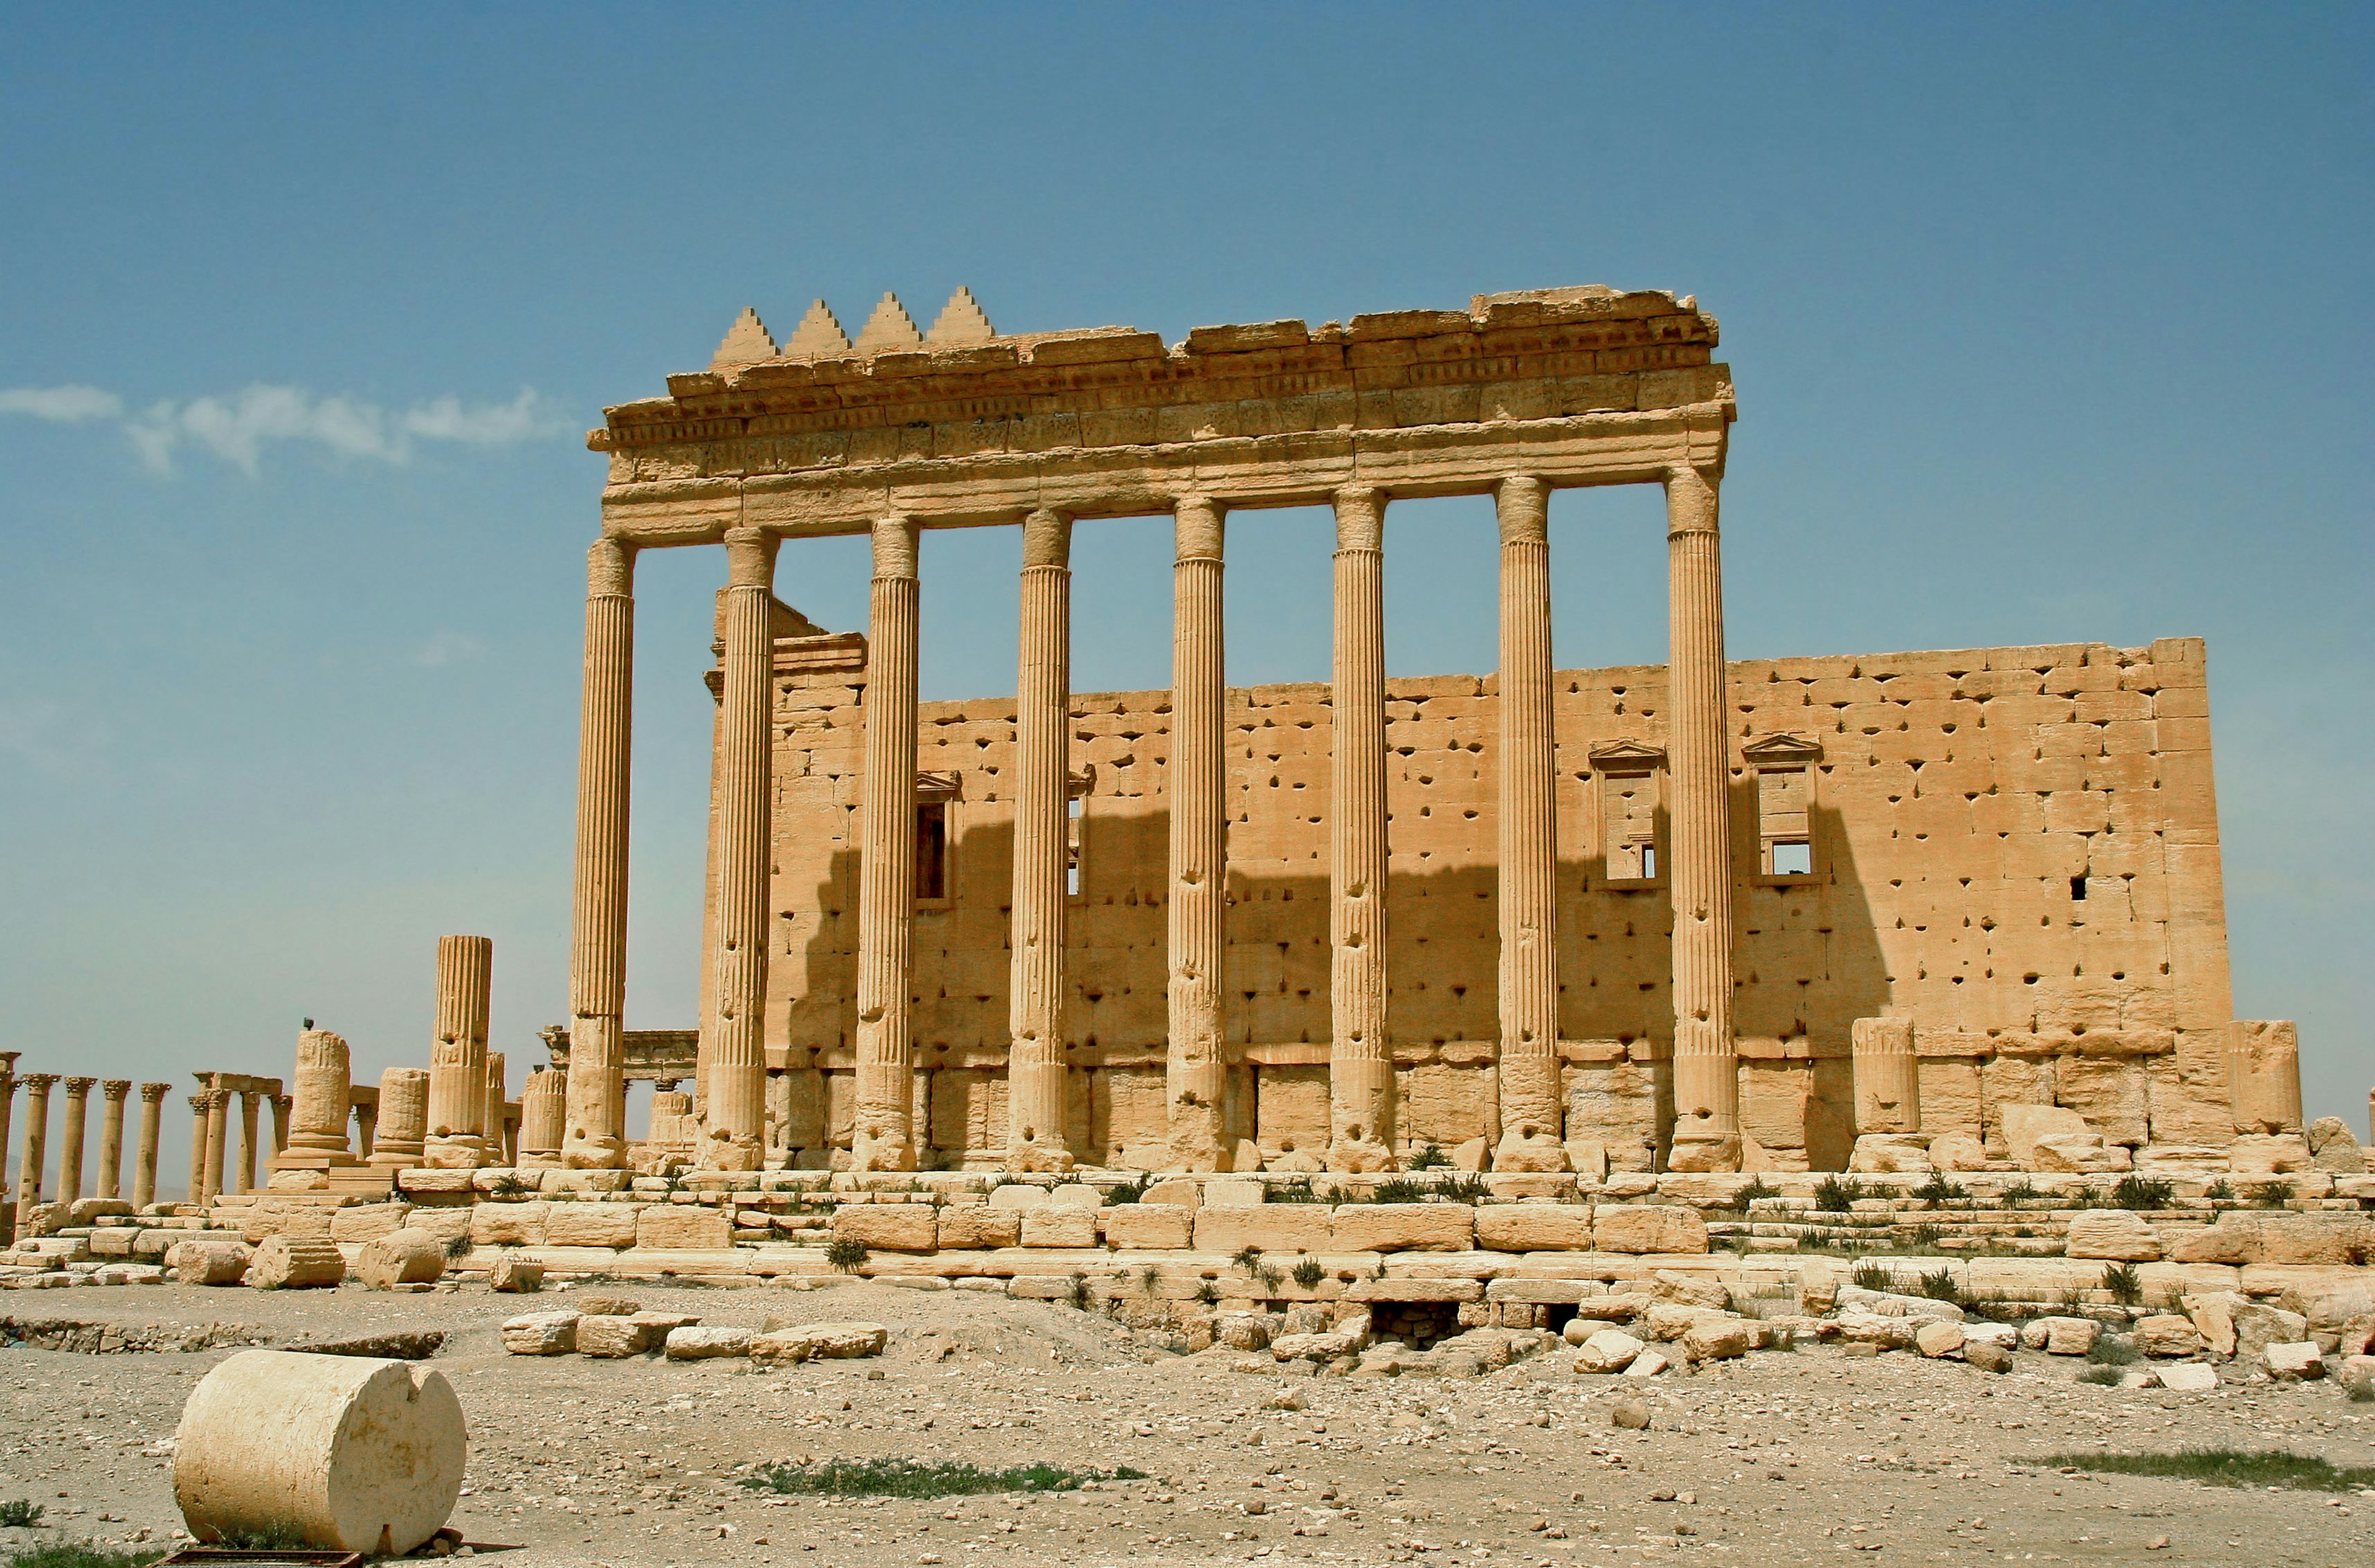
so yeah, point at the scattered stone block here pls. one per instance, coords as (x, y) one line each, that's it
(515, 1276)
(594, 1306)
(2332, 1146)
(1648, 1363)
(221, 1260)
(697, 1344)
(1629, 1414)
(1987, 1355)
(296, 1263)
(2294, 1362)
(819, 1341)
(2189, 1377)
(2167, 1334)
(1716, 1340)
(609, 1338)
(2112, 1233)
(1938, 1340)
(1606, 1350)
(541, 1334)
(400, 1257)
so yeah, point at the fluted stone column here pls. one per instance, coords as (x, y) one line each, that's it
(498, 1092)
(1887, 1077)
(1200, 839)
(217, 1140)
(1037, 1066)
(7, 1111)
(324, 1085)
(1360, 1057)
(243, 1178)
(199, 1107)
(1706, 1062)
(1527, 769)
(77, 1123)
(595, 1137)
(111, 1137)
(403, 1123)
(37, 1143)
(884, 1136)
(734, 1080)
(544, 1109)
(457, 1058)
(144, 1170)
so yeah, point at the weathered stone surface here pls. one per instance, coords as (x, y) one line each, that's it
(2114, 1234)
(210, 1261)
(296, 1263)
(518, 1276)
(1873, 1328)
(686, 1228)
(400, 1257)
(819, 1341)
(589, 1224)
(1272, 1227)
(1534, 1227)
(367, 1221)
(2189, 1377)
(1715, 1339)
(2166, 1334)
(887, 1227)
(1393, 1290)
(507, 1224)
(2331, 1147)
(1403, 1227)
(2293, 1362)
(700, 1344)
(976, 1227)
(1648, 1228)
(609, 1337)
(2268, 1154)
(1142, 1224)
(1607, 1351)
(1059, 1225)
(1937, 1339)
(541, 1333)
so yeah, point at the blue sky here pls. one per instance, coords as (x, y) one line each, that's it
(2049, 324)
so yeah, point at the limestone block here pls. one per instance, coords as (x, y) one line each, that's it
(1059, 1225)
(2356, 1375)
(1076, 1195)
(1648, 1228)
(1937, 1339)
(1987, 1356)
(2259, 1326)
(819, 1341)
(1648, 1363)
(1951, 1100)
(1234, 1194)
(515, 1276)
(2212, 1313)
(685, 1227)
(1607, 1351)
(2025, 1124)
(541, 1334)
(350, 1453)
(2079, 1152)
(1886, 1152)
(1272, 1227)
(2067, 1336)
(1957, 1151)
(367, 1221)
(1587, 1158)
(2166, 1334)
(1617, 1306)
(2333, 1148)
(887, 1227)
(2109, 1092)
(2114, 1234)
(2294, 1362)
(2268, 1154)
(1181, 1191)
(1534, 1227)
(209, 1261)
(977, 1227)
(1314, 1347)
(1017, 1195)
(698, 1344)
(1873, 1328)
(1425, 1291)
(1142, 1224)
(2189, 1377)
(507, 1224)
(2328, 1239)
(1244, 1330)
(589, 1224)
(2006, 1081)
(1403, 1227)
(1615, 1104)
(1891, 1303)
(400, 1257)
(2263, 1066)
(609, 1337)
(296, 1263)
(1716, 1340)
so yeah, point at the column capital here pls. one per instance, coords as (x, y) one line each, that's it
(1198, 527)
(610, 569)
(38, 1084)
(1690, 499)
(749, 557)
(895, 546)
(115, 1088)
(155, 1092)
(1522, 504)
(1047, 540)
(198, 1104)
(1360, 518)
(79, 1085)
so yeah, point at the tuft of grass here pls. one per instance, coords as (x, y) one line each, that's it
(1129, 1192)
(1079, 1296)
(511, 1185)
(846, 1254)
(1432, 1158)
(1150, 1278)
(2110, 1351)
(2020, 1192)
(2272, 1194)
(1873, 1276)
(22, 1513)
(1468, 1189)
(457, 1248)
(84, 1554)
(281, 1536)
(1757, 1187)
(2102, 1377)
(1269, 1277)
(2220, 1191)
(1308, 1272)
(2125, 1285)
(1939, 1286)
(1295, 1192)
(1398, 1190)
(1940, 1188)
(2144, 1193)
(910, 1478)
(1208, 1293)
(1924, 1238)
(1246, 1257)
(2252, 1467)
(1833, 1196)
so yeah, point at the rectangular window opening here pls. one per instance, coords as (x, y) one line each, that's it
(931, 852)
(1072, 849)
(1629, 827)
(2077, 890)
(1784, 830)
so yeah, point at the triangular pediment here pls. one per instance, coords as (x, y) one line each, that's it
(1782, 749)
(745, 343)
(1628, 757)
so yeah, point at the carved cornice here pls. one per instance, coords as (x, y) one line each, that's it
(1626, 757)
(1781, 750)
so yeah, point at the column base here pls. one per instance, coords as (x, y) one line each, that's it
(1195, 1141)
(1032, 1156)
(731, 1154)
(1529, 1148)
(1704, 1151)
(1361, 1157)
(881, 1154)
(463, 1153)
(399, 1159)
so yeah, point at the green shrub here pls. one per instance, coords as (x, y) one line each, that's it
(456, 1249)
(1468, 1189)
(2272, 1194)
(1298, 1191)
(2124, 1284)
(2224, 1466)
(1431, 1158)
(1939, 1286)
(1757, 1188)
(1270, 1277)
(911, 1478)
(1246, 1257)
(1208, 1293)
(2109, 1349)
(2220, 1191)
(2020, 1192)
(1833, 1196)
(1309, 1273)
(22, 1513)
(2103, 1376)
(2145, 1192)
(511, 1185)
(1940, 1188)
(1873, 1276)
(1130, 1191)
(845, 1252)
(1398, 1190)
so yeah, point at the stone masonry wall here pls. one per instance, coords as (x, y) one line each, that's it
(2016, 847)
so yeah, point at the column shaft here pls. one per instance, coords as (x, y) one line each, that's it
(143, 1171)
(1043, 700)
(1529, 1075)
(324, 1093)
(37, 1143)
(457, 1058)
(884, 1137)
(217, 1120)
(403, 1121)
(243, 1178)
(1360, 1060)
(111, 1137)
(8, 1111)
(597, 945)
(78, 1125)
(199, 1107)
(281, 1104)
(1193, 1087)
(736, 1100)
(1706, 1065)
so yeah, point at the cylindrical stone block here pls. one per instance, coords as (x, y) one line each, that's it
(1888, 1075)
(2264, 1075)
(216, 1257)
(457, 1058)
(1529, 1071)
(29, 1172)
(1360, 1058)
(353, 1453)
(1037, 1070)
(403, 1123)
(400, 1257)
(1192, 1077)
(884, 1136)
(111, 1136)
(1706, 1060)
(287, 1262)
(324, 1084)
(77, 1123)
(735, 1101)
(596, 1135)
(144, 1172)
(544, 1109)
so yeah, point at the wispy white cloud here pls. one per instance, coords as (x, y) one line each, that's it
(240, 427)
(61, 404)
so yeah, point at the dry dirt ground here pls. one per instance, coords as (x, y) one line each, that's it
(1781, 1458)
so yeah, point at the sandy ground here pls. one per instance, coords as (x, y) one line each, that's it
(1781, 1458)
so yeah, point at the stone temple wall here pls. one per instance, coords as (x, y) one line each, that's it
(2016, 848)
